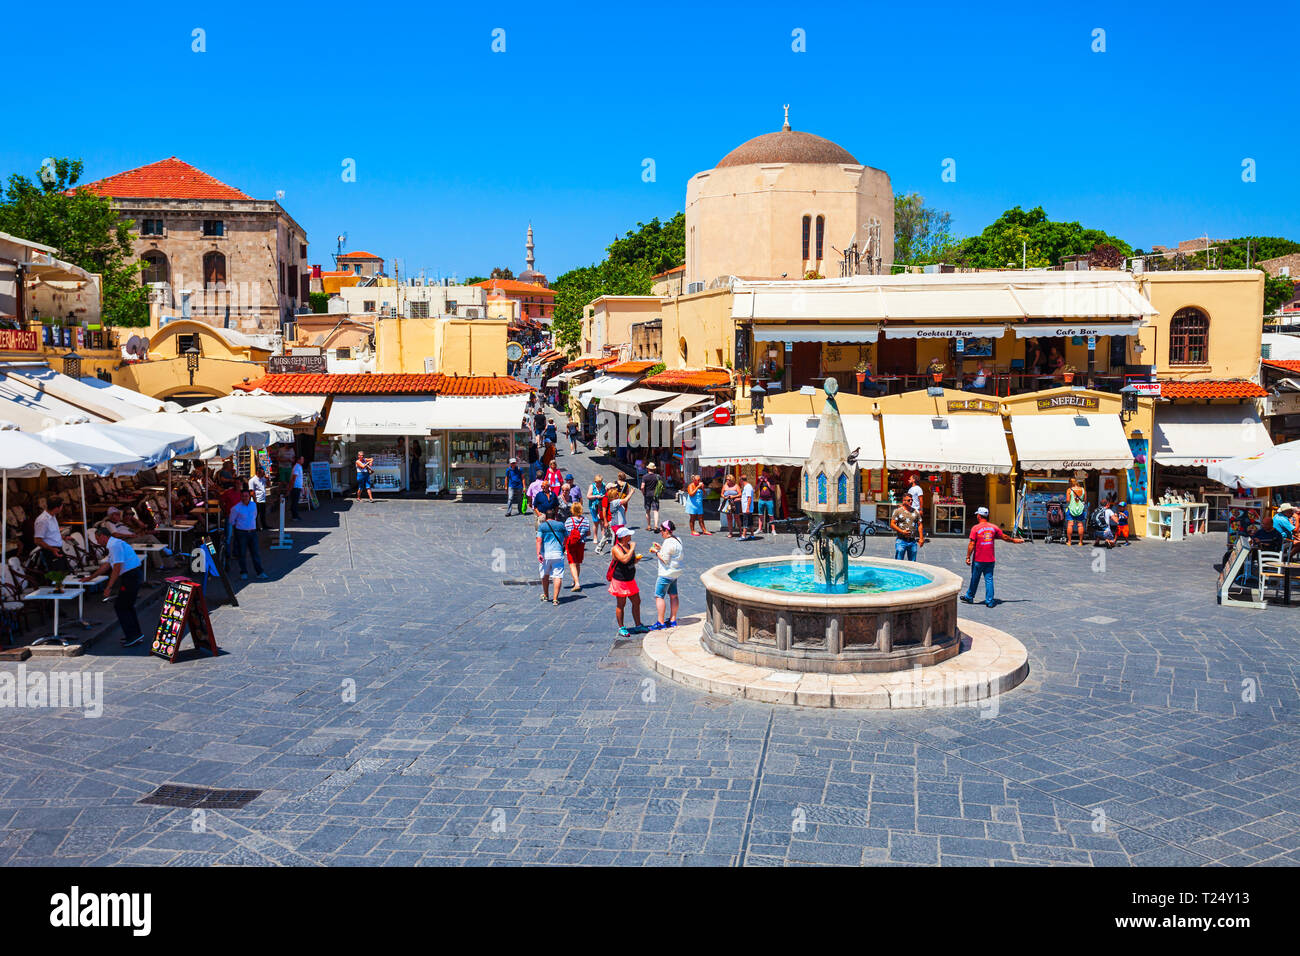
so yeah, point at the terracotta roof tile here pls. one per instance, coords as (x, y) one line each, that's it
(631, 368)
(166, 179)
(589, 363)
(372, 384)
(1236, 389)
(688, 378)
(360, 255)
(1286, 365)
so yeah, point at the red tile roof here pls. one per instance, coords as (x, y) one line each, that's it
(514, 285)
(588, 363)
(360, 255)
(631, 368)
(1286, 365)
(668, 272)
(166, 179)
(370, 384)
(1237, 389)
(688, 378)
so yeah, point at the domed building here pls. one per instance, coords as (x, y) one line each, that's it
(783, 203)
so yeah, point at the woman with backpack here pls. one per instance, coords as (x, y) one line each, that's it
(577, 528)
(1076, 512)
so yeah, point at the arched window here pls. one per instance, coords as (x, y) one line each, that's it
(214, 271)
(1189, 337)
(821, 487)
(155, 267)
(682, 348)
(821, 234)
(805, 486)
(842, 490)
(807, 230)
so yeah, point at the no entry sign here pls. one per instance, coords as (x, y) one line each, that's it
(721, 415)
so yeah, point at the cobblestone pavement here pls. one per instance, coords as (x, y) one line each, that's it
(1154, 728)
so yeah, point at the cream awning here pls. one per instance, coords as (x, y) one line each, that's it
(1069, 442)
(94, 402)
(601, 387)
(1199, 435)
(816, 333)
(786, 440)
(629, 401)
(493, 413)
(564, 377)
(383, 415)
(967, 444)
(675, 406)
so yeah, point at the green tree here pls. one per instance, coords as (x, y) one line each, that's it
(474, 280)
(922, 235)
(501, 272)
(320, 302)
(52, 209)
(1043, 241)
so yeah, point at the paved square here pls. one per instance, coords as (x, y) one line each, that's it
(400, 699)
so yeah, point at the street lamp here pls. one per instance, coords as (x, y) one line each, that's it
(72, 365)
(192, 361)
(757, 395)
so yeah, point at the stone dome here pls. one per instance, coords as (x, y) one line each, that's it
(788, 146)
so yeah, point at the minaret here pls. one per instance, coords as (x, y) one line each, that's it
(529, 246)
(786, 127)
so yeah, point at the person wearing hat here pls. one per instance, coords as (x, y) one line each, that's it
(622, 581)
(651, 486)
(669, 554)
(1284, 521)
(514, 487)
(980, 548)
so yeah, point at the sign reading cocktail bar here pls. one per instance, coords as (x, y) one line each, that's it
(1068, 401)
(19, 340)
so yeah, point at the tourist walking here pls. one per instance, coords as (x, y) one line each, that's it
(618, 498)
(729, 505)
(746, 509)
(622, 581)
(543, 503)
(765, 505)
(1076, 512)
(695, 507)
(554, 479)
(909, 530)
(980, 549)
(243, 525)
(124, 569)
(597, 508)
(651, 486)
(257, 485)
(550, 556)
(365, 468)
(572, 430)
(917, 494)
(296, 479)
(514, 487)
(668, 551)
(550, 436)
(577, 529)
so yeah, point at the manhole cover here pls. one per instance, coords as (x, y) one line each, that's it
(210, 798)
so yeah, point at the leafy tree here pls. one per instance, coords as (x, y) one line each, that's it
(922, 236)
(320, 302)
(1044, 242)
(659, 246)
(501, 272)
(474, 280)
(52, 209)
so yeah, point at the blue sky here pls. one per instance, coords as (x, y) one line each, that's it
(457, 147)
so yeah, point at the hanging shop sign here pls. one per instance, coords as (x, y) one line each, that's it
(1069, 401)
(942, 331)
(973, 405)
(303, 364)
(19, 340)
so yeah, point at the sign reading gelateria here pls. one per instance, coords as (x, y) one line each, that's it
(973, 405)
(19, 340)
(1068, 401)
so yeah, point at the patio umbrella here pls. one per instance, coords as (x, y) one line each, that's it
(152, 447)
(216, 436)
(1274, 468)
(258, 405)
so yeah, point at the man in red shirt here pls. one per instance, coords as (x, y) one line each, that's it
(980, 547)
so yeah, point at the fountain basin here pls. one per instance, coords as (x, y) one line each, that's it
(905, 616)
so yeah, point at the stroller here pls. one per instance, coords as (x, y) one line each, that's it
(1055, 511)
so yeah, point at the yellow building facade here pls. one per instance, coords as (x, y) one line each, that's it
(448, 345)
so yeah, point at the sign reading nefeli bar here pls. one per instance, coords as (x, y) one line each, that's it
(307, 364)
(19, 340)
(972, 405)
(1068, 401)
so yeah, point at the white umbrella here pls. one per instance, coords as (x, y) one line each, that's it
(23, 456)
(258, 405)
(152, 447)
(1274, 468)
(216, 436)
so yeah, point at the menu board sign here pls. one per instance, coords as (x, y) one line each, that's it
(183, 608)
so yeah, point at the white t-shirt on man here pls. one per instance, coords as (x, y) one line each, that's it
(119, 552)
(46, 528)
(916, 494)
(297, 476)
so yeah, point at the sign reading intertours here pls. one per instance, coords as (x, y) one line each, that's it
(1068, 401)
(19, 340)
(306, 364)
(972, 405)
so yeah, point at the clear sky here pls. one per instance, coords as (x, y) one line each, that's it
(456, 147)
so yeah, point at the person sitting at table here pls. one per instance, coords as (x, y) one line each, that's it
(49, 539)
(227, 475)
(869, 385)
(1284, 522)
(980, 381)
(1054, 362)
(139, 531)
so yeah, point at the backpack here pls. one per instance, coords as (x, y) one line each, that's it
(660, 489)
(574, 538)
(1099, 521)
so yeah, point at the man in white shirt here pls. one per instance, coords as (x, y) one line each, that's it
(243, 525)
(124, 569)
(257, 485)
(295, 491)
(668, 550)
(916, 494)
(746, 510)
(49, 539)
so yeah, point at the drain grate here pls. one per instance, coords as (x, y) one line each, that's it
(209, 798)
(520, 582)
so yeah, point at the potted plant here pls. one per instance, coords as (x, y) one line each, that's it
(936, 371)
(1067, 373)
(56, 579)
(861, 370)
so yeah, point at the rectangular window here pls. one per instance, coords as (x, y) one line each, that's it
(185, 342)
(451, 306)
(302, 250)
(213, 227)
(151, 227)
(368, 305)
(343, 353)
(282, 278)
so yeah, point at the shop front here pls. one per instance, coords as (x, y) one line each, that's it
(470, 443)
(390, 430)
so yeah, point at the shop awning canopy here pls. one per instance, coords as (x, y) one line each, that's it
(814, 332)
(96, 402)
(1275, 468)
(258, 405)
(676, 406)
(786, 440)
(356, 415)
(564, 377)
(630, 401)
(138, 401)
(602, 387)
(493, 413)
(1069, 442)
(1036, 329)
(966, 444)
(1200, 435)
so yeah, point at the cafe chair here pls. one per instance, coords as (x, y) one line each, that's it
(1271, 573)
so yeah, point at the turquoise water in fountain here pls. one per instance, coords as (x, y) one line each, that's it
(799, 577)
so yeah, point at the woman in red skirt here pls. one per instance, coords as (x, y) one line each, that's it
(622, 581)
(577, 529)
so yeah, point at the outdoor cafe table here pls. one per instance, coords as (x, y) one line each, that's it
(49, 594)
(174, 533)
(144, 550)
(72, 581)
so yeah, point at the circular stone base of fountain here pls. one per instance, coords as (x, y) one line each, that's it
(990, 662)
